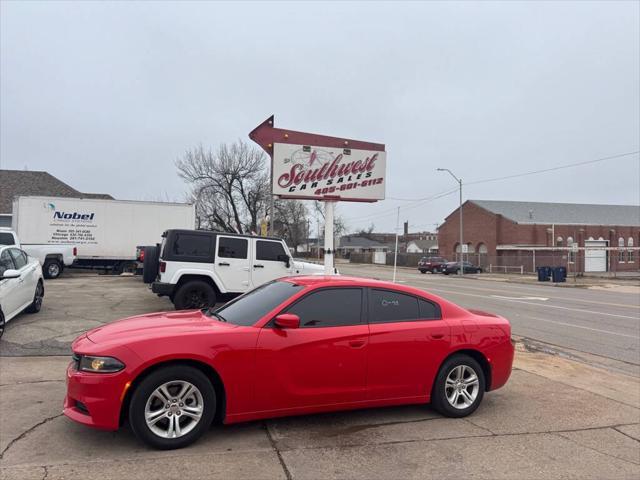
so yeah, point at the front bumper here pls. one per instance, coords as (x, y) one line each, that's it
(94, 399)
(162, 289)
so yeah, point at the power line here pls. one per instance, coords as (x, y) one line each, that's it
(421, 201)
(553, 169)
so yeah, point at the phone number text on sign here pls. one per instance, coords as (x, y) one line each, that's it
(304, 171)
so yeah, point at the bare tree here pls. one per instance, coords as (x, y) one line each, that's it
(339, 223)
(229, 187)
(291, 221)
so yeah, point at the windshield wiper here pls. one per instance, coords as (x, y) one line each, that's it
(218, 316)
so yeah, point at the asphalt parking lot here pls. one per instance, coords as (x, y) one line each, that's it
(556, 418)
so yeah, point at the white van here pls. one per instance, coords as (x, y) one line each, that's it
(197, 267)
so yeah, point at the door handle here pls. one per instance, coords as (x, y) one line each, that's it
(224, 264)
(437, 336)
(356, 343)
(258, 266)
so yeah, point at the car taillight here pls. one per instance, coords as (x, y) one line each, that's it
(141, 256)
(75, 251)
(163, 267)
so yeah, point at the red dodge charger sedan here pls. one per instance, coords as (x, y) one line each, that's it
(293, 346)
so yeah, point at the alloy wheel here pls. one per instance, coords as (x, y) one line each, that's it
(174, 409)
(53, 270)
(197, 299)
(461, 387)
(37, 300)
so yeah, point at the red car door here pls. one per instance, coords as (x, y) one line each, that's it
(321, 363)
(407, 342)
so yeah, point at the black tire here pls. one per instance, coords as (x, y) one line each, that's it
(439, 399)
(194, 294)
(2, 324)
(36, 305)
(52, 268)
(479, 270)
(144, 391)
(150, 264)
(423, 271)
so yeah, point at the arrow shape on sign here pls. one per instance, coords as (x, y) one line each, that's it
(266, 135)
(542, 299)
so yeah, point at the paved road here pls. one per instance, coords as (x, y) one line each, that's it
(601, 323)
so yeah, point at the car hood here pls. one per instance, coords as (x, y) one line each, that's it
(307, 268)
(156, 325)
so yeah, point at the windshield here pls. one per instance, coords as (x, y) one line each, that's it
(6, 238)
(247, 309)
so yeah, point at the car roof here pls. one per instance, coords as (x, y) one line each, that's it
(343, 280)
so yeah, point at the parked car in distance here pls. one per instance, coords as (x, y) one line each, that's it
(431, 264)
(21, 284)
(52, 257)
(197, 267)
(293, 346)
(454, 267)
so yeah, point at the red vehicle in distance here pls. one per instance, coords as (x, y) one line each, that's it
(294, 346)
(431, 264)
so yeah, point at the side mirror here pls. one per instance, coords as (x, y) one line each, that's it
(9, 273)
(287, 320)
(286, 259)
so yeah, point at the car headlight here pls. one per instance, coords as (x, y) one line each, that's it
(92, 364)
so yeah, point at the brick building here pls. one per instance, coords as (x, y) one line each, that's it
(530, 234)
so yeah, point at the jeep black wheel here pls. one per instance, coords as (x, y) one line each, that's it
(194, 294)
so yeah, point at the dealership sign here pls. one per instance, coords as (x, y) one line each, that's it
(307, 171)
(312, 166)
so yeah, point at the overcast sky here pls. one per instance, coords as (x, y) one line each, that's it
(105, 96)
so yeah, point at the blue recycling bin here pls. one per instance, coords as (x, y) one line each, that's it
(543, 273)
(559, 274)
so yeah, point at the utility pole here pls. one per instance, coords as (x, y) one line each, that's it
(461, 271)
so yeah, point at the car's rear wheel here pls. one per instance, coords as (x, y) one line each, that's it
(459, 387)
(172, 407)
(423, 271)
(2, 324)
(52, 268)
(194, 294)
(36, 305)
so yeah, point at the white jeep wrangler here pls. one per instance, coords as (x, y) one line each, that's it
(197, 267)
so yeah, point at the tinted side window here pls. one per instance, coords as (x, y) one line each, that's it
(188, 245)
(266, 250)
(388, 306)
(6, 262)
(429, 310)
(6, 239)
(329, 308)
(232, 247)
(19, 257)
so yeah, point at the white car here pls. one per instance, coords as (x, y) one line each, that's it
(21, 284)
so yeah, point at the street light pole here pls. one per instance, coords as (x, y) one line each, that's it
(461, 271)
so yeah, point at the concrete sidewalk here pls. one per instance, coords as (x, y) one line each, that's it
(554, 419)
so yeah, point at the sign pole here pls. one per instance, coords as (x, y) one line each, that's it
(329, 209)
(395, 255)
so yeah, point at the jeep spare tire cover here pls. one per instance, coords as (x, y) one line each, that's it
(150, 264)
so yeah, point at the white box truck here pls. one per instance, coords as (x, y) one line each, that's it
(105, 232)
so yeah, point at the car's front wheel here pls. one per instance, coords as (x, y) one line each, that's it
(36, 305)
(172, 407)
(459, 387)
(2, 324)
